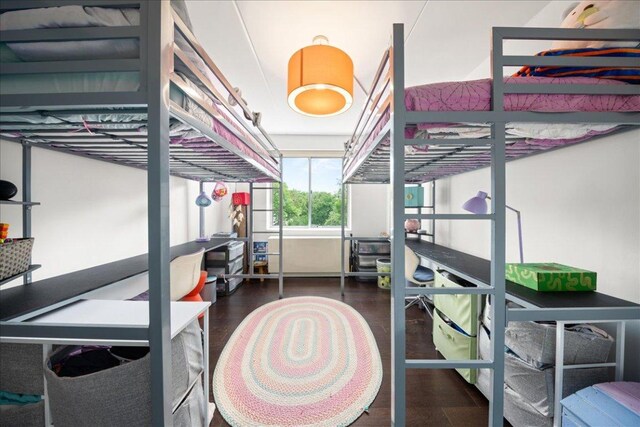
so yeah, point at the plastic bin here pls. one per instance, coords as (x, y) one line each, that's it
(383, 265)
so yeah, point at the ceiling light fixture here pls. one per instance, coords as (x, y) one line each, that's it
(320, 80)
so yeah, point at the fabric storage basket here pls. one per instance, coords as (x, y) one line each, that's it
(459, 308)
(536, 386)
(516, 410)
(192, 411)
(535, 343)
(454, 345)
(120, 396)
(30, 415)
(21, 368)
(15, 257)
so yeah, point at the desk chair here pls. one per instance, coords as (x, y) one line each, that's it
(185, 274)
(417, 276)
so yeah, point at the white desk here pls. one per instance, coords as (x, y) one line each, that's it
(115, 313)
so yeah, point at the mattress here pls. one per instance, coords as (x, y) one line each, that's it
(475, 95)
(75, 16)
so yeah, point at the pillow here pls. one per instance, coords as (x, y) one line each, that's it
(600, 14)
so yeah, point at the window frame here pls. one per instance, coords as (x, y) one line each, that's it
(309, 226)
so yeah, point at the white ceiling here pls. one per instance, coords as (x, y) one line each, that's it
(446, 40)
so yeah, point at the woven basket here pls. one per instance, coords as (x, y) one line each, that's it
(15, 257)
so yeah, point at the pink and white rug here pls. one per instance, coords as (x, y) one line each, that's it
(304, 361)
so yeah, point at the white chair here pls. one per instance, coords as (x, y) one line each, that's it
(185, 274)
(416, 276)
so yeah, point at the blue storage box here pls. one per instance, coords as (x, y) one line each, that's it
(591, 407)
(414, 197)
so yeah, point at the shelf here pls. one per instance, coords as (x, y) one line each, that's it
(14, 202)
(16, 276)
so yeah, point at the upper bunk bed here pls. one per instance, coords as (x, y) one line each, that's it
(73, 79)
(449, 125)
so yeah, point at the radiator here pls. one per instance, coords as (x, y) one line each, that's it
(308, 255)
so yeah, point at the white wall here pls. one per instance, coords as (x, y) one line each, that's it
(93, 212)
(580, 206)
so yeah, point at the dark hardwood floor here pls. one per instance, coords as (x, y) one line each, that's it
(434, 397)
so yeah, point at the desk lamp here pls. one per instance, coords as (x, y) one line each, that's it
(478, 205)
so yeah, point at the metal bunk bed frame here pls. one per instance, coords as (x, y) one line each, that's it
(156, 32)
(396, 163)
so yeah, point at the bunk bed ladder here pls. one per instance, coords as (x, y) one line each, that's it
(399, 120)
(252, 232)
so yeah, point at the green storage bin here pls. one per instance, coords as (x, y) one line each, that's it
(461, 309)
(413, 197)
(454, 345)
(551, 277)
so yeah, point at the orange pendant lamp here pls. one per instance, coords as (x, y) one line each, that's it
(320, 80)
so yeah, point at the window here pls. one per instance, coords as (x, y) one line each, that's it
(311, 193)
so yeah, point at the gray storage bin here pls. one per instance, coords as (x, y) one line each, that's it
(30, 415)
(191, 411)
(225, 253)
(516, 410)
(21, 368)
(121, 395)
(367, 260)
(536, 386)
(228, 287)
(374, 247)
(367, 270)
(535, 343)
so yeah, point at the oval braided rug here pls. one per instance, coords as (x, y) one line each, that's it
(304, 361)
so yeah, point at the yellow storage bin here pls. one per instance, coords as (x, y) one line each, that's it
(454, 345)
(461, 309)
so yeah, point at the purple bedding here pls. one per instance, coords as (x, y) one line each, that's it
(475, 95)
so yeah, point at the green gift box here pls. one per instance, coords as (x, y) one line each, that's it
(551, 277)
(413, 197)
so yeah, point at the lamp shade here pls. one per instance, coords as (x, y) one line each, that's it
(477, 204)
(320, 80)
(203, 200)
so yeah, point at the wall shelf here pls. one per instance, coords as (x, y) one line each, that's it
(31, 268)
(17, 203)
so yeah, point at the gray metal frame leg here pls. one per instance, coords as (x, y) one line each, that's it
(205, 345)
(620, 342)
(26, 197)
(46, 349)
(559, 374)
(156, 49)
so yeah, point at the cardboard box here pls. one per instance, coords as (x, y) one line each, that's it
(414, 197)
(551, 277)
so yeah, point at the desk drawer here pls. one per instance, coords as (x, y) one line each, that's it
(454, 345)
(462, 309)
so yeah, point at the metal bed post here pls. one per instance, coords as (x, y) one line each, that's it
(250, 230)
(398, 322)
(157, 39)
(433, 210)
(498, 209)
(280, 232)
(342, 236)
(201, 214)
(26, 197)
